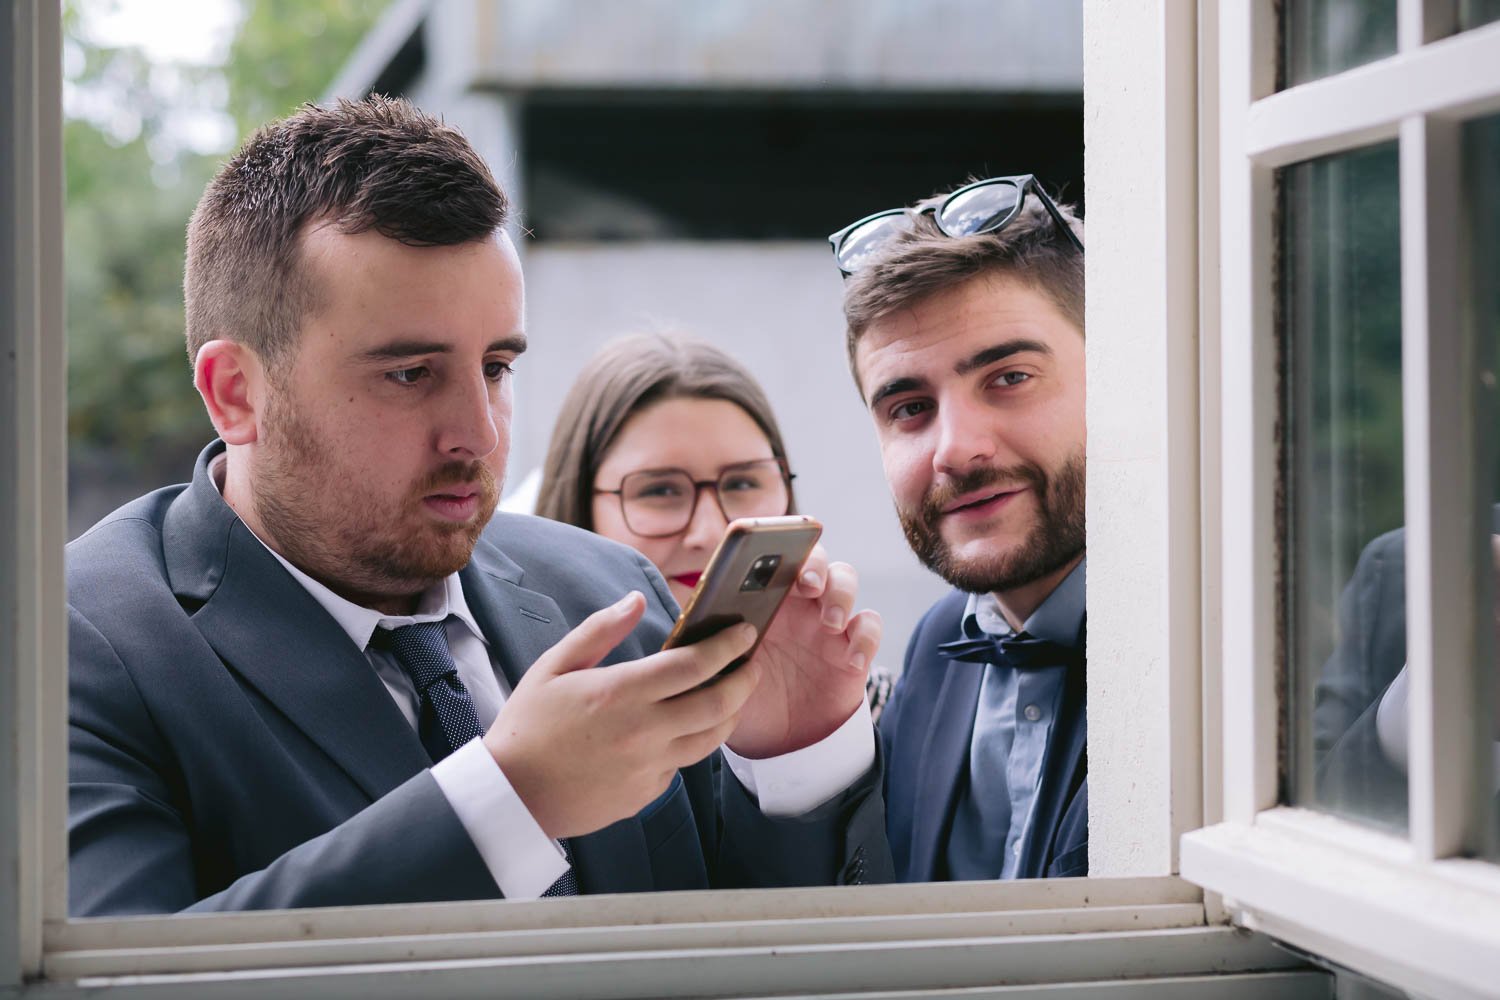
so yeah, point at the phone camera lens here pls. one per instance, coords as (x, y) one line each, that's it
(760, 573)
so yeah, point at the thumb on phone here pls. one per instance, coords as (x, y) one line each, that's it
(593, 639)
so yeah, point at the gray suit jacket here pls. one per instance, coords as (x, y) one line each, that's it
(232, 749)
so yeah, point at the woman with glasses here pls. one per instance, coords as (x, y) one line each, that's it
(661, 442)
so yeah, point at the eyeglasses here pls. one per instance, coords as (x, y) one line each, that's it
(658, 503)
(982, 207)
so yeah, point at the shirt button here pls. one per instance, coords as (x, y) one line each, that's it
(1032, 713)
(1016, 850)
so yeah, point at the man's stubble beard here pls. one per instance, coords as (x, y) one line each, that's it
(322, 523)
(1056, 539)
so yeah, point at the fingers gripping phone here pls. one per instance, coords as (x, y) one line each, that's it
(749, 576)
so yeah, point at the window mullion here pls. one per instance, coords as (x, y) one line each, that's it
(1443, 549)
(1247, 47)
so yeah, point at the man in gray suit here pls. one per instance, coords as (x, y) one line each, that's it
(322, 673)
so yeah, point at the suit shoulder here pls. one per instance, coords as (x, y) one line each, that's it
(1392, 544)
(123, 547)
(942, 621)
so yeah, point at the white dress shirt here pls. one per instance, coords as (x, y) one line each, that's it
(521, 858)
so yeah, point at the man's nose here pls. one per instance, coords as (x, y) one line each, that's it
(967, 437)
(469, 428)
(708, 522)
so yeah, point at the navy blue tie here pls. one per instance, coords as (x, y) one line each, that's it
(447, 719)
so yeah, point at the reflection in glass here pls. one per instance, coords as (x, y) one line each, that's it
(1323, 37)
(1481, 244)
(1344, 560)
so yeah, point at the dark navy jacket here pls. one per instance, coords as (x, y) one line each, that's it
(925, 733)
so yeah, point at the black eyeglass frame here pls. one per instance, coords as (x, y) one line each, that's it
(699, 485)
(1022, 182)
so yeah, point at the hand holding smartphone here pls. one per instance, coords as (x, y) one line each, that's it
(750, 574)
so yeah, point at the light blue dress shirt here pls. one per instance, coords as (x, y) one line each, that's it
(1013, 728)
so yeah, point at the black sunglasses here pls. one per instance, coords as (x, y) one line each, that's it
(982, 207)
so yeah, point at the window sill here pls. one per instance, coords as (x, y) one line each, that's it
(1020, 938)
(1357, 898)
(631, 923)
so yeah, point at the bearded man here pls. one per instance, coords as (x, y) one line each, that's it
(965, 337)
(326, 673)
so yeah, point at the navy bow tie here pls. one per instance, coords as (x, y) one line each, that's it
(1020, 651)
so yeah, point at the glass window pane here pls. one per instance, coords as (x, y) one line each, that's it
(1473, 13)
(1345, 589)
(1481, 186)
(1323, 37)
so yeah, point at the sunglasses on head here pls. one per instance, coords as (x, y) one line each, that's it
(982, 207)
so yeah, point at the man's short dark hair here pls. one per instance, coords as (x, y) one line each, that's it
(379, 164)
(921, 261)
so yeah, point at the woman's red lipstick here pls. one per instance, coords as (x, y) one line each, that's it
(689, 580)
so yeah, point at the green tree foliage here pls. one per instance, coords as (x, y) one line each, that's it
(131, 186)
(288, 51)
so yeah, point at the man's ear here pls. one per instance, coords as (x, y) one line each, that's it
(232, 382)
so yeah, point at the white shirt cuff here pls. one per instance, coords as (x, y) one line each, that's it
(522, 859)
(802, 780)
(1390, 721)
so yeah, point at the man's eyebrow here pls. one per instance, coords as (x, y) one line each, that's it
(895, 386)
(973, 362)
(999, 352)
(397, 349)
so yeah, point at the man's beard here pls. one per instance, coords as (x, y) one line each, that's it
(324, 523)
(1055, 539)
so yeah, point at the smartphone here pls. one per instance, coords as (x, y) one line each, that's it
(751, 572)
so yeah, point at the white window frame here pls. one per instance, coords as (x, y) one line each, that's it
(1138, 932)
(1411, 911)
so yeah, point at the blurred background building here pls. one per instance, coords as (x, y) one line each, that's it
(677, 165)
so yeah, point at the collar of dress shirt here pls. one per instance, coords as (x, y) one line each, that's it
(444, 598)
(1057, 619)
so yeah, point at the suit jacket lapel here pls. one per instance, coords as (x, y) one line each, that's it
(519, 624)
(270, 631)
(944, 764)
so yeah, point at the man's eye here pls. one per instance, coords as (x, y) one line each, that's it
(407, 376)
(1012, 378)
(497, 370)
(906, 411)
